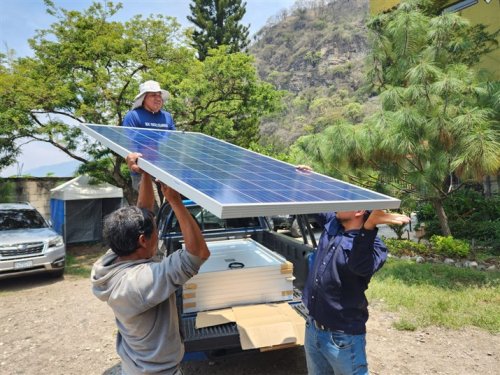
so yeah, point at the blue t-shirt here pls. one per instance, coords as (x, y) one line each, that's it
(142, 118)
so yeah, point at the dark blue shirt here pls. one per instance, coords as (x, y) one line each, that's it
(343, 265)
(142, 118)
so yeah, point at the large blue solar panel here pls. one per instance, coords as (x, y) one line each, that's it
(231, 181)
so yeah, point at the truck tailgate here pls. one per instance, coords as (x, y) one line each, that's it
(224, 336)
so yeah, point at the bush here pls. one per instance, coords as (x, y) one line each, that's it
(471, 216)
(405, 247)
(449, 247)
(7, 191)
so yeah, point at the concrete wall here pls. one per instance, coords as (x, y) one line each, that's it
(35, 190)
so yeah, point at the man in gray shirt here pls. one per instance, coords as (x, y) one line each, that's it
(141, 290)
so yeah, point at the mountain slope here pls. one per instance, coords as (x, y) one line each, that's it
(66, 169)
(318, 44)
(316, 52)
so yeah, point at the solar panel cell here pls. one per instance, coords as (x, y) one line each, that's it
(230, 181)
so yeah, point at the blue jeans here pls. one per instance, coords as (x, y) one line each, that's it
(334, 352)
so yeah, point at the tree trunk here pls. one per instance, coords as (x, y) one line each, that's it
(487, 186)
(443, 219)
(130, 195)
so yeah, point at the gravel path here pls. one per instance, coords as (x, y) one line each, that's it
(58, 327)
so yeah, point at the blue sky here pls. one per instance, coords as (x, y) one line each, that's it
(19, 20)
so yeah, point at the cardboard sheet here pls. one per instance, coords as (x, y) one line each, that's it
(260, 326)
(214, 318)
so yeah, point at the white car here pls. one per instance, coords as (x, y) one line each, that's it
(27, 242)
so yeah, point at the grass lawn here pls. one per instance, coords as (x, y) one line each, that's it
(438, 294)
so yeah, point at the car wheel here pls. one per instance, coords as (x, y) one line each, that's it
(57, 274)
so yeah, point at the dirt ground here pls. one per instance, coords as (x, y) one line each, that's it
(56, 326)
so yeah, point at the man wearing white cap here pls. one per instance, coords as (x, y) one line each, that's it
(147, 112)
(147, 109)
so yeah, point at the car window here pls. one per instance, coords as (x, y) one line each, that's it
(209, 222)
(205, 219)
(21, 219)
(173, 225)
(242, 222)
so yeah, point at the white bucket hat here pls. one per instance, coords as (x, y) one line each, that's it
(145, 87)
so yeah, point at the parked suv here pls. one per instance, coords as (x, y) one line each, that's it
(27, 242)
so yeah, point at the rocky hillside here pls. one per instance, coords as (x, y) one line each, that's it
(316, 43)
(315, 51)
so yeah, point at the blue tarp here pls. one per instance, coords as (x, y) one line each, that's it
(57, 215)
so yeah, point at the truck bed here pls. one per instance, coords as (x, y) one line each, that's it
(219, 340)
(224, 336)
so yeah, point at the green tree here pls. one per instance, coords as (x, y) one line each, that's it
(86, 69)
(434, 124)
(218, 23)
(223, 97)
(9, 150)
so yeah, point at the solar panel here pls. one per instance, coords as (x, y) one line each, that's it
(231, 181)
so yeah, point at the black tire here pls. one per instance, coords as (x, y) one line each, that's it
(57, 274)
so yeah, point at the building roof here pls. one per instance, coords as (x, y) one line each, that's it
(79, 188)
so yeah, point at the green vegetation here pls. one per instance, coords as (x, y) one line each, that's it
(472, 216)
(7, 193)
(86, 68)
(438, 246)
(449, 247)
(316, 52)
(80, 263)
(218, 24)
(441, 295)
(435, 113)
(406, 247)
(77, 267)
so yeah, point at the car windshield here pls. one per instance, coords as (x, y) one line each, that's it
(21, 219)
(209, 222)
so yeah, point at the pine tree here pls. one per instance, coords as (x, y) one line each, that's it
(218, 23)
(437, 121)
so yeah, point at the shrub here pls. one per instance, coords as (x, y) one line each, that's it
(471, 216)
(405, 247)
(7, 191)
(449, 247)
(319, 24)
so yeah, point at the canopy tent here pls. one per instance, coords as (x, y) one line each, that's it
(77, 208)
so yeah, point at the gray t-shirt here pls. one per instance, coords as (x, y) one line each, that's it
(142, 296)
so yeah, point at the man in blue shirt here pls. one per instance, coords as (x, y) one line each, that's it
(348, 254)
(147, 109)
(147, 112)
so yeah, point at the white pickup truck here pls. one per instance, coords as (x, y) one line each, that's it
(220, 340)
